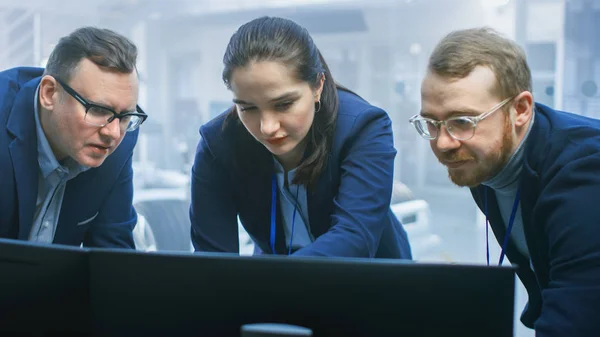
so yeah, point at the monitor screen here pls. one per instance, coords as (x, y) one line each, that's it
(43, 289)
(215, 294)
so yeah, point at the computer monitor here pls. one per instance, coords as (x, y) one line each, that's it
(44, 290)
(176, 294)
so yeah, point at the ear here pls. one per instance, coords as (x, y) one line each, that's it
(48, 96)
(523, 106)
(319, 89)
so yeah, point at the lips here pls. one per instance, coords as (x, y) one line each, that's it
(102, 147)
(455, 164)
(276, 140)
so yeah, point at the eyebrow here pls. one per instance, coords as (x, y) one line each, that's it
(455, 113)
(288, 95)
(239, 101)
(74, 93)
(94, 102)
(108, 107)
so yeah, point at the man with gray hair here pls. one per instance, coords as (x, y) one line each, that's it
(532, 170)
(66, 143)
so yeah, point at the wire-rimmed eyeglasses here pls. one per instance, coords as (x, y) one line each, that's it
(460, 127)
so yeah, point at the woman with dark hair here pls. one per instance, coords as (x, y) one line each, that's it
(306, 164)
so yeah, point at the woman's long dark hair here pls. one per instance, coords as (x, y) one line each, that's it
(282, 40)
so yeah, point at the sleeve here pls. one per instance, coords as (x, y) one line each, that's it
(113, 227)
(362, 202)
(213, 213)
(568, 208)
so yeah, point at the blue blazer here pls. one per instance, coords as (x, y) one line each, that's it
(349, 207)
(560, 189)
(97, 206)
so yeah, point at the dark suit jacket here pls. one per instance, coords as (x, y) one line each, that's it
(560, 189)
(97, 206)
(349, 207)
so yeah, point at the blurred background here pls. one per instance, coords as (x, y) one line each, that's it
(378, 48)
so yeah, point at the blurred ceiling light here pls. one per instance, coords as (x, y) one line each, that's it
(238, 5)
(494, 3)
(415, 49)
(290, 3)
(154, 15)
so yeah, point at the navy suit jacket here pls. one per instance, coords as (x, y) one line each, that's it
(97, 206)
(349, 207)
(560, 189)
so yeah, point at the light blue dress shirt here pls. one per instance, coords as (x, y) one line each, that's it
(293, 197)
(52, 181)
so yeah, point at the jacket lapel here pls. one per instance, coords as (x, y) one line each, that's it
(255, 170)
(318, 199)
(530, 191)
(23, 152)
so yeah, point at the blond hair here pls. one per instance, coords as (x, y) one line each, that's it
(459, 52)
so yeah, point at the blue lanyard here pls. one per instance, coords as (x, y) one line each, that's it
(511, 221)
(274, 216)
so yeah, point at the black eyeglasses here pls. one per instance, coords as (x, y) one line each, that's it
(101, 116)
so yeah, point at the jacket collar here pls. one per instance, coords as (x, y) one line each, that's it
(23, 152)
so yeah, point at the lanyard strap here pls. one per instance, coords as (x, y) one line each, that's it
(273, 212)
(511, 222)
(274, 216)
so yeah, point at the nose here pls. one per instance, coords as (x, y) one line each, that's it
(112, 130)
(269, 124)
(444, 142)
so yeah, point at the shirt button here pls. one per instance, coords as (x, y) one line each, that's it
(46, 224)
